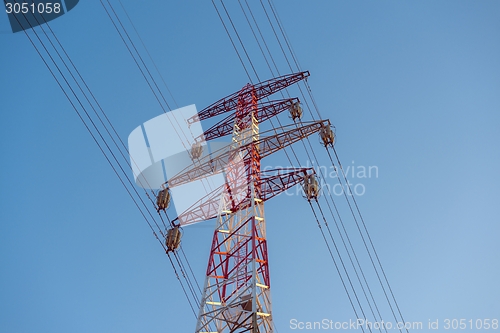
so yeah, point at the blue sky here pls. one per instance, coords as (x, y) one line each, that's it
(412, 88)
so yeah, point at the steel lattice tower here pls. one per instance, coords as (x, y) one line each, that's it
(236, 296)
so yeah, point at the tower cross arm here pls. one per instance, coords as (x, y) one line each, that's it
(271, 144)
(266, 146)
(265, 111)
(262, 90)
(272, 183)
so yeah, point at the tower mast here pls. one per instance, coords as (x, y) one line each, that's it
(236, 296)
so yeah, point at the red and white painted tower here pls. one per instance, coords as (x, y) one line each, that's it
(237, 291)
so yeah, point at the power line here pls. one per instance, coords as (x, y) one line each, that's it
(93, 135)
(334, 262)
(74, 106)
(363, 238)
(369, 239)
(147, 75)
(147, 51)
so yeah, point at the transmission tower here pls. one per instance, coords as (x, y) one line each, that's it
(237, 290)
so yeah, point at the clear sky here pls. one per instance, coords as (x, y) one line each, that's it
(413, 89)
